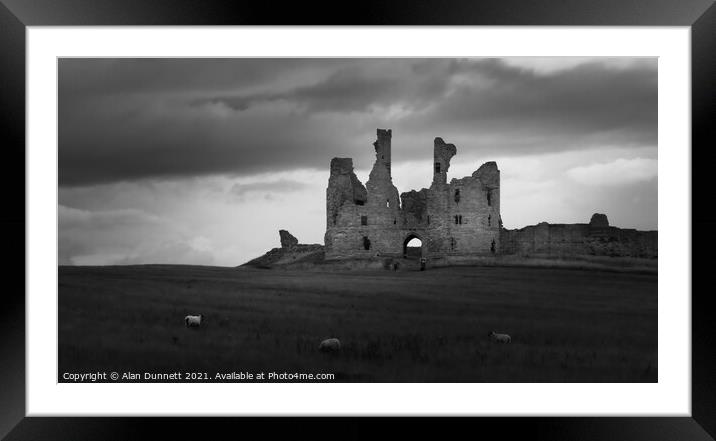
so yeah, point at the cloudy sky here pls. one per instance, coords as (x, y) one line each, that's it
(202, 161)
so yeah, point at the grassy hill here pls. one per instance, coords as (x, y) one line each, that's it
(566, 324)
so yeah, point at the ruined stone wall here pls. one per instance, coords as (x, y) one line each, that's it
(383, 207)
(596, 238)
(474, 212)
(365, 227)
(455, 221)
(343, 186)
(439, 217)
(445, 223)
(461, 218)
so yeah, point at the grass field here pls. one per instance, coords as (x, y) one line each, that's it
(566, 325)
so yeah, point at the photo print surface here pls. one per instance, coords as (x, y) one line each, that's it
(358, 219)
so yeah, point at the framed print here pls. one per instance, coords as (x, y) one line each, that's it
(443, 211)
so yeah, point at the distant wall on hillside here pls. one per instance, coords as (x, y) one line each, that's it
(596, 238)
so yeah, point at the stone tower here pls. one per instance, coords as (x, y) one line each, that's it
(442, 154)
(453, 221)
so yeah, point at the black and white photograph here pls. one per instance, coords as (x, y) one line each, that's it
(310, 216)
(376, 220)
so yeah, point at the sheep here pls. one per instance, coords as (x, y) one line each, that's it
(499, 338)
(330, 345)
(193, 321)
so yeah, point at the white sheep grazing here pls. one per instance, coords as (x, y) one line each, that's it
(499, 338)
(193, 321)
(330, 345)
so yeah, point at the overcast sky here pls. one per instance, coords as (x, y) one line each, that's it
(202, 161)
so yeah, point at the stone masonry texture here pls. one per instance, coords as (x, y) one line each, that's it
(453, 220)
(461, 217)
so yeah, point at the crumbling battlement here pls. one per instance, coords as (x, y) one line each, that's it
(287, 239)
(454, 221)
(596, 238)
(290, 253)
(343, 186)
(442, 153)
(415, 207)
(460, 218)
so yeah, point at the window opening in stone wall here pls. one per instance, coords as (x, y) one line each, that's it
(456, 219)
(395, 221)
(489, 197)
(366, 242)
(364, 220)
(428, 220)
(489, 220)
(387, 203)
(452, 243)
(459, 218)
(437, 167)
(359, 202)
(457, 195)
(492, 246)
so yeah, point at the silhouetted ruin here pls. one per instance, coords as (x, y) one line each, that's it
(456, 221)
(449, 219)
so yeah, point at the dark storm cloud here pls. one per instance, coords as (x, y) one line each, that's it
(131, 119)
(353, 89)
(114, 76)
(586, 100)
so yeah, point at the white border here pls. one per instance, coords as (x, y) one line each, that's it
(670, 396)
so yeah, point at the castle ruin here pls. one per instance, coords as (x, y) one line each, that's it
(456, 222)
(459, 218)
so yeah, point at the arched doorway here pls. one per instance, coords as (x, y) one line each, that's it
(413, 247)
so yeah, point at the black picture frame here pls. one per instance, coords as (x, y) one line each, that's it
(16, 15)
